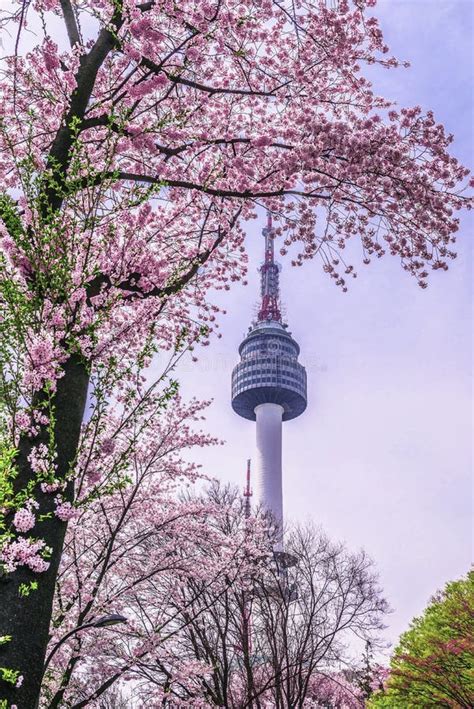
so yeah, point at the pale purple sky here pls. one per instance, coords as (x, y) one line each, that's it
(382, 458)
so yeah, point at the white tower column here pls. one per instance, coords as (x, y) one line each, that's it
(269, 468)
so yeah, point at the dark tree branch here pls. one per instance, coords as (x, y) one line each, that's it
(104, 121)
(131, 284)
(61, 150)
(99, 178)
(71, 23)
(157, 69)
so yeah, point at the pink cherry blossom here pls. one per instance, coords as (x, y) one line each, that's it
(24, 520)
(25, 552)
(65, 511)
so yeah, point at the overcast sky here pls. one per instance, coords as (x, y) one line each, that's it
(382, 456)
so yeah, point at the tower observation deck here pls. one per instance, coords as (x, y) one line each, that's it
(269, 384)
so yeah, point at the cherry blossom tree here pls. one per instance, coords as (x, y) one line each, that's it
(210, 621)
(135, 139)
(334, 691)
(131, 549)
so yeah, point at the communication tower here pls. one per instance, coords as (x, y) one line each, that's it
(269, 384)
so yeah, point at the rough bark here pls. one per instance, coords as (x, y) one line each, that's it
(27, 618)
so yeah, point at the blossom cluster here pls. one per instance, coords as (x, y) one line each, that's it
(24, 518)
(24, 552)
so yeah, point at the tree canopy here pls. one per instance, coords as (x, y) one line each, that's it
(433, 664)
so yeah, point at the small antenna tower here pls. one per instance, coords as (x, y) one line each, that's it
(248, 491)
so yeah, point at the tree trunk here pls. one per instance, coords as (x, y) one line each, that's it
(27, 617)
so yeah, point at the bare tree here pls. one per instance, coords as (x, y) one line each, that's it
(272, 637)
(304, 616)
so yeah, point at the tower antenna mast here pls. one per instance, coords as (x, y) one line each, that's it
(247, 492)
(269, 276)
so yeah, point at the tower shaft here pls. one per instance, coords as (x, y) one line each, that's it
(269, 463)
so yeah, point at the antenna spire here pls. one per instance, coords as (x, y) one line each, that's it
(247, 491)
(269, 274)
